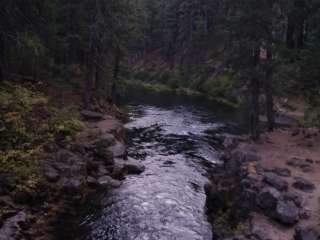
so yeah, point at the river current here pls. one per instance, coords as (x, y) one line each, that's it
(178, 146)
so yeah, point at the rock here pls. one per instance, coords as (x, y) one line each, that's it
(311, 132)
(303, 184)
(229, 142)
(245, 156)
(306, 233)
(51, 174)
(287, 212)
(92, 182)
(12, 227)
(295, 197)
(118, 150)
(307, 169)
(131, 167)
(308, 160)
(268, 198)
(283, 172)
(90, 115)
(72, 186)
(107, 181)
(297, 162)
(295, 132)
(104, 141)
(275, 181)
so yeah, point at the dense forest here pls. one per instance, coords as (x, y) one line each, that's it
(61, 61)
(222, 48)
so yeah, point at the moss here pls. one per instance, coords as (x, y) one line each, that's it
(27, 123)
(223, 228)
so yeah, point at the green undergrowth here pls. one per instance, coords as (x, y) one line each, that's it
(223, 229)
(27, 124)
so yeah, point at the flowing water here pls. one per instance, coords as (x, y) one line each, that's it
(177, 145)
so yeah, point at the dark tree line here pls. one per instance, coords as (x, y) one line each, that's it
(53, 39)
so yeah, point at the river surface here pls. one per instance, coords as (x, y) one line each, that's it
(178, 145)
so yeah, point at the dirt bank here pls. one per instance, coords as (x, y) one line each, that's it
(269, 189)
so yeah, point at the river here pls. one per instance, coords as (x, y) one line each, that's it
(178, 144)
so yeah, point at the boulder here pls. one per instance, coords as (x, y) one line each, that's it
(306, 233)
(295, 197)
(303, 184)
(244, 156)
(92, 182)
(131, 167)
(268, 198)
(71, 186)
(104, 141)
(275, 181)
(13, 226)
(118, 150)
(91, 116)
(109, 182)
(287, 212)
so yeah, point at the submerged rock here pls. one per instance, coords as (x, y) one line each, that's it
(107, 181)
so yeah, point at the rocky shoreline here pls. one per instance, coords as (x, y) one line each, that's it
(265, 190)
(96, 160)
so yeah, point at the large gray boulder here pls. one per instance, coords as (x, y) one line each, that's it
(268, 198)
(287, 212)
(275, 181)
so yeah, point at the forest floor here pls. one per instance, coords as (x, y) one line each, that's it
(269, 189)
(278, 150)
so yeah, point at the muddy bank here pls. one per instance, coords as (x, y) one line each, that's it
(267, 190)
(96, 160)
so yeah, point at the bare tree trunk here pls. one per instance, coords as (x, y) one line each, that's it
(1, 59)
(290, 32)
(269, 91)
(255, 109)
(116, 71)
(255, 93)
(90, 78)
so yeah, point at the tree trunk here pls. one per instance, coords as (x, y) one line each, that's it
(255, 93)
(90, 78)
(290, 32)
(269, 91)
(255, 109)
(1, 59)
(116, 70)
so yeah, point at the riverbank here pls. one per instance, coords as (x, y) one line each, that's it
(127, 86)
(58, 165)
(269, 189)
